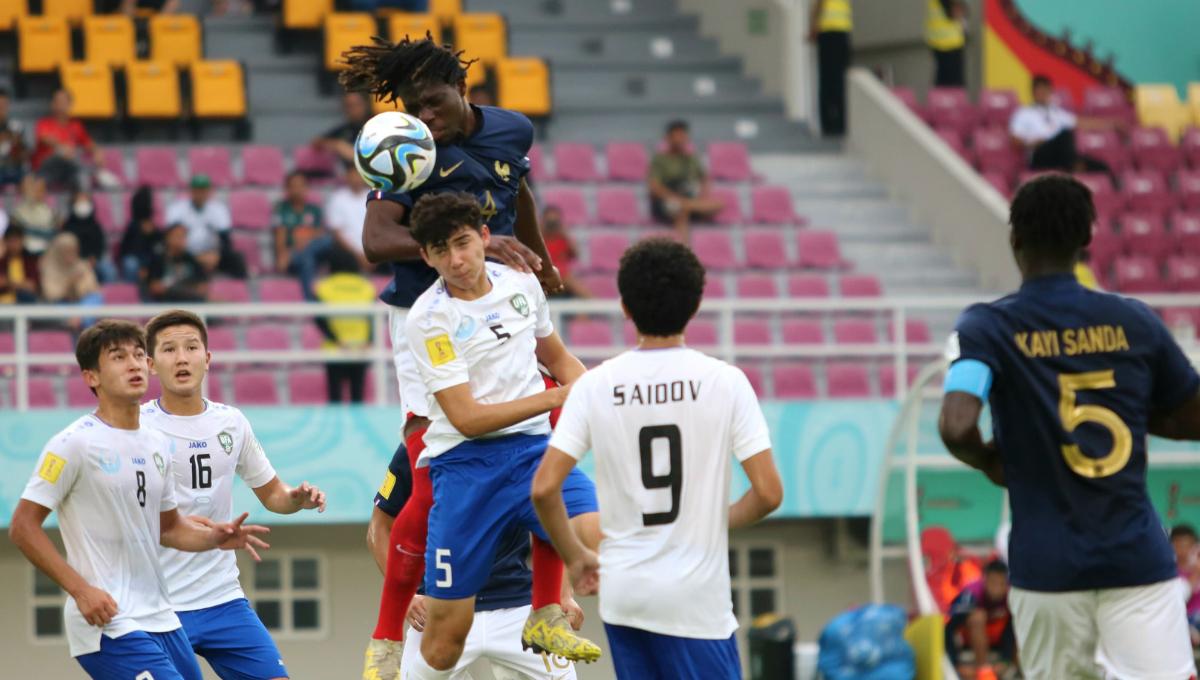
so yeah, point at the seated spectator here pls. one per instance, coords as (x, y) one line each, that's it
(1187, 561)
(1045, 131)
(562, 252)
(679, 186)
(13, 151)
(142, 237)
(64, 153)
(339, 140)
(209, 228)
(347, 286)
(294, 221)
(174, 274)
(67, 278)
(81, 221)
(19, 280)
(979, 620)
(345, 212)
(34, 213)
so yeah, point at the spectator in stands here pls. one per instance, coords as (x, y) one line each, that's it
(174, 274)
(13, 151)
(345, 285)
(562, 252)
(33, 211)
(829, 26)
(1187, 561)
(1046, 132)
(345, 212)
(339, 140)
(979, 620)
(209, 228)
(295, 221)
(67, 278)
(480, 95)
(63, 148)
(142, 238)
(19, 276)
(679, 186)
(945, 33)
(81, 221)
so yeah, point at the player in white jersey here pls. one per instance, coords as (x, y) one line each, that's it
(209, 444)
(109, 479)
(662, 421)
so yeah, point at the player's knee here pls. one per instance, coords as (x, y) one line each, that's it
(442, 650)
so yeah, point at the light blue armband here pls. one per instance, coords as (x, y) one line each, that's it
(971, 376)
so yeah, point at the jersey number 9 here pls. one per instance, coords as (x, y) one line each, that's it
(1073, 415)
(673, 479)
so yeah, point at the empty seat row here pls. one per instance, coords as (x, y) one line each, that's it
(754, 331)
(1144, 274)
(73, 11)
(619, 205)
(522, 84)
(44, 43)
(1141, 233)
(630, 162)
(218, 90)
(311, 14)
(840, 380)
(482, 36)
(718, 250)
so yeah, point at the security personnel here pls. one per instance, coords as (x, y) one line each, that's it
(945, 21)
(829, 25)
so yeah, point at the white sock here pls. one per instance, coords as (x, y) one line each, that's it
(419, 669)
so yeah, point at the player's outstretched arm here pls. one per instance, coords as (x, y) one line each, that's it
(183, 533)
(529, 232)
(474, 419)
(285, 500)
(958, 425)
(385, 238)
(765, 493)
(582, 564)
(555, 356)
(1181, 424)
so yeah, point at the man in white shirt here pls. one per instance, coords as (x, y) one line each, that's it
(663, 421)
(1046, 132)
(345, 211)
(209, 228)
(209, 444)
(109, 479)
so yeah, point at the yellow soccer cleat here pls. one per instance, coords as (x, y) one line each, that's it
(548, 631)
(383, 660)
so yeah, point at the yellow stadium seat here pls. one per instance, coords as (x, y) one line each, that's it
(1193, 103)
(175, 38)
(218, 89)
(445, 10)
(74, 11)
(344, 30)
(109, 39)
(153, 90)
(91, 88)
(10, 12)
(483, 36)
(1158, 105)
(415, 26)
(524, 85)
(45, 42)
(305, 14)
(380, 105)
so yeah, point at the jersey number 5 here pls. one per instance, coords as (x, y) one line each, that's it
(672, 480)
(1073, 415)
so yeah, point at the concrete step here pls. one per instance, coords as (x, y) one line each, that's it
(635, 44)
(557, 12)
(629, 85)
(759, 132)
(876, 256)
(747, 106)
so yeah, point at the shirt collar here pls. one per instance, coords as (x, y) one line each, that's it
(1052, 281)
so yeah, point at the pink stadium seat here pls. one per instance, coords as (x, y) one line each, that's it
(1103, 145)
(1144, 234)
(103, 206)
(311, 337)
(714, 247)
(772, 205)
(605, 250)
(79, 395)
(114, 162)
(618, 205)
(627, 161)
(998, 180)
(994, 151)
(1146, 190)
(602, 286)
(755, 285)
(860, 286)
(1138, 274)
(221, 339)
(1152, 150)
(714, 286)
(250, 209)
(586, 332)
(752, 331)
(819, 250)
(8, 344)
(794, 381)
(268, 338)
(702, 333)
(628, 333)
(251, 249)
(1106, 198)
(1105, 247)
(1181, 318)
(279, 290)
(228, 290)
(49, 342)
(909, 99)
(314, 162)
(807, 286)
(120, 294)
(846, 380)
(157, 167)
(916, 331)
(1189, 146)
(729, 162)
(950, 108)
(799, 331)
(1183, 273)
(212, 161)
(1187, 184)
(887, 378)
(731, 212)
(1065, 97)
(537, 164)
(754, 373)
(570, 201)
(1185, 227)
(262, 165)
(255, 388)
(308, 387)
(42, 392)
(854, 332)
(575, 162)
(997, 106)
(955, 139)
(1107, 102)
(216, 387)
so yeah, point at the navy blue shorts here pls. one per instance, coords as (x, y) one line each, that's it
(143, 656)
(233, 640)
(641, 655)
(481, 491)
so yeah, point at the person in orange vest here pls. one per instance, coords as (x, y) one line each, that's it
(829, 27)
(979, 620)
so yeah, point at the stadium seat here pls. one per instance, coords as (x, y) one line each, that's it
(729, 162)
(250, 209)
(1107, 102)
(1103, 145)
(279, 290)
(92, 91)
(114, 162)
(794, 381)
(157, 167)
(754, 374)
(1189, 145)
(312, 338)
(605, 251)
(1152, 150)
(79, 395)
(800, 331)
(305, 14)
(1158, 106)
(702, 333)
(268, 338)
(765, 249)
(950, 109)
(997, 106)
(524, 85)
(586, 332)
(752, 331)
(413, 26)
(1185, 228)
(537, 164)
(314, 162)
(218, 89)
(994, 151)
(854, 332)
(772, 205)
(262, 165)
(887, 378)
(1187, 184)
(484, 36)
(212, 161)
(74, 11)
(714, 248)
(1146, 190)
(251, 248)
(308, 387)
(626, 161)
(570, 201)
(956, 140)
(575, 162)
(109, 39)
(102, 203)
(49, 342)
(176, 38)
(344, 30)
(120, 294)
(1180, 319)
(1104, 196)
(1144, 234)
(860, 286)
(602, 286)
(1138, 274)
(221, 338)
(11, 12)
(619, 206)
(44, 42)
(445, 10)
(1065, 97)
(153, 90)
(999, 181)
(916, 331)
(1183, 273)
(845, 380)
(909, 99)
(1105, 247)
(807, 286)
(255, 388)
(755, 285)
(714, 286)
(819, 250)
(42, 392)
(731, 211)
(1193, 104)
(228, 290)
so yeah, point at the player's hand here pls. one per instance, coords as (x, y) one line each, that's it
(416, 613)
(508, 250)
(96, 605)
(236, 536)
(574, 612)
(585, 573)
(308, 497)
(202, 521)
(551, 280)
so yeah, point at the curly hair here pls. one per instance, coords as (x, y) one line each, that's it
(1052, 215)
(436, 217)
(661, 282)
(391, 71)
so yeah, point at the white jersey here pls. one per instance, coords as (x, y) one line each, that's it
(108, 487)
(206, 451)
(489, 343)
(663, 425)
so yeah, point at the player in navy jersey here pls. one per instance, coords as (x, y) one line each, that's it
(1075, 379)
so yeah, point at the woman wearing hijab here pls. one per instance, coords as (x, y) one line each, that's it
(142, 238)
(67, 278)
(81, 221)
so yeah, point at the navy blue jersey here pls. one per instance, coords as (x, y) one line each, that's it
(490, 165)
(1076, 375)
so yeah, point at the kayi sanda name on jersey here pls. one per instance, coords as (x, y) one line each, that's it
(1071, 341)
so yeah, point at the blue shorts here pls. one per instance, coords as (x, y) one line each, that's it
(143, 656)
(481, 491)
(641, 655)
(234, 641)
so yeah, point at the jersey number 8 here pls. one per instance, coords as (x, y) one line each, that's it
(1073, 415)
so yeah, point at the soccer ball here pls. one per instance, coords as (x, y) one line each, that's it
(394, 152)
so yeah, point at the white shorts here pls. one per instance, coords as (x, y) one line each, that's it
(496, 637)
(414, 398)
(1138, 633)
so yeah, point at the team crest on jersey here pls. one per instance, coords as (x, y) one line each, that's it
(520, 304)
(503, 171)
(466, 328)
(226, 441)
(109, 462)
(158, 463)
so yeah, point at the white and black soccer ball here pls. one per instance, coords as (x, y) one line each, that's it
(394, 152)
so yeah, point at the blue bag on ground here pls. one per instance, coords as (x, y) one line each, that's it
(867, 644)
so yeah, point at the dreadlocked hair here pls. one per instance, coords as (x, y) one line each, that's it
(390, 71)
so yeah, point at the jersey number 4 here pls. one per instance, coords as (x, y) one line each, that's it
(1073, 415)
(673, 479)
